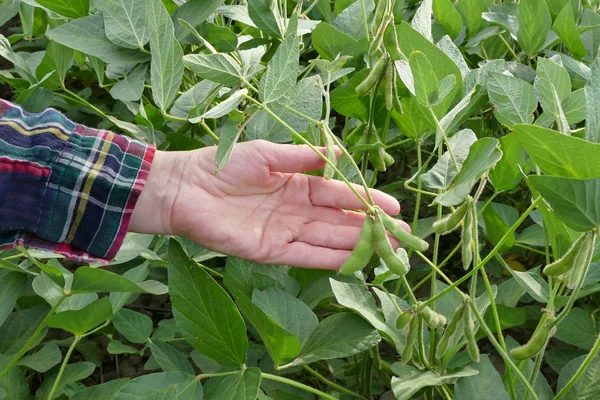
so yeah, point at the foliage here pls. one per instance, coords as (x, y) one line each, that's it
(481, 116)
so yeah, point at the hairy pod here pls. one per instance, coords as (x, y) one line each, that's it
(388, 159)
(469, 327)
(582, 260)
(363, 250)
(379, 36)
(388, 86)
(433, 319)
(411, 337)
(384, 248)
(329, 172)
(467, 237)
(378, 16)
(373, 76)
(376, 156)
(412, 241)
(442, 345)
(535, 343)
(451, 221)
(404, 319)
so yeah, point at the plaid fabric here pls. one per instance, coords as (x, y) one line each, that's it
(65, 187)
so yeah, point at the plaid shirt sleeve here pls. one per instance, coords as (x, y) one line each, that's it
(65, 187)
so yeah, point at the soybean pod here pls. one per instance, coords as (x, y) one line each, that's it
(442, 345)
(376, 155)
(469, 327)
(411, 337)
(535, 344)
(329, 172)
(388, 88)
(373, 76)
(363, 251)
(433, 319)
(467, 237)
(384, 248)
(404, 319)
(402, 235)
(582, 260)
(568, 260)
(451, 221)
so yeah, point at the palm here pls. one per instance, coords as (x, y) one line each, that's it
(260, 208)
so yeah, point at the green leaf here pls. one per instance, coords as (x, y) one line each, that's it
(12, 286)
(282, 345)
(87, 279)
(144, 387)
(587, 386)
(44, 359)
(483, 155)
(471, 11)
(132, 87)
(495, 228)
(408, 385)
(230, 133)
(533, 284)
(267, 20)
(204, 310)
(220, 68)
(443, 172)
(446, 15)
(13, 384)
(19, 327)
(87, 35)
(427, 90)
(72, 373)
(287, 311)
(551, 76)
(68, 8)
(136, 327)
(327, 341)
(103, 391)
(506, 174)
(578, 328)
(166, 69)
(592, 95)
(574, 201)
(193, 12)
(136, 275)
(513, 98)
(565, 28)
(534, 25)
(280, 78)
(242, 386)
(57, 58)
(169, 358)
(8, 9)
(350, 19)
(125, 22)
(79, 322)
(117, 347)
(558, 357)
(194, 98)
(225, 107)
(329, 42)
(487, 384)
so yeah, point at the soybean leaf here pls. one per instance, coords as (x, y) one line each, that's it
(534, 25)
(407, 386)
(242, 386)
(565, 28)
(551, 76)
(46, 288)
(13, 385)
(79, 322)
(446, 15)
(588, 384)
(266, 19)
(575, 107)
(287, 311)
(8, 9)
(427, 89)
(229, 135)
(578, 329)
(88, 279)
(136, 275)
(486, 384)
(44, 359)
(350, 19)
(103, 391)
(87, 36)
(483, 155)
(136, 327)
(19, 327)
(280, 78)
(125, 22)
(187, 386)
(574, 201)
(117, 347)
(421, 21)
(533, 284)
(443, 172)
(223, 108)
(132, 87)
(57, 58)
(193, 98)
(72, 373)
(68, 8)
(513, 98)
(12, 286)
(220, 68)
(471, 11)
(169, 358)
(204, 310)
(329, 42)
(194, 12)
(166, 69)
(592, 95)
(560, 155)
(327, 341)
(506, 174)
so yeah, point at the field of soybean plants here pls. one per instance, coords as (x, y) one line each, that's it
(482, 117)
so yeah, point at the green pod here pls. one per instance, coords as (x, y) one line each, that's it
(388, 88)
(390, 41)
(433, 319)
(329, 172)
(388, 159)
(568, 260)
(469, 327)
(373, 76)
(272, 5)
(384, 248)
(411, 337)
(378, 16)
(363, 251)
(451, 221)
(396, 98)
(412, 241)
(467, 238)
(582, 260)
(376, 155)
(535, 343)
(403, 319)
(379, 36)
(442, 345)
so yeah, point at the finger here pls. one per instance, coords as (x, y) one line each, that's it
(304, 255)
(336, 194)
(290, 158)
(335, 216)
(331, 236)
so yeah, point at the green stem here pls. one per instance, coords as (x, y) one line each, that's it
(298, 385)
(334, 385)
(581, 369)
(208, 130)
(536, 368)
(211, 271)
(62, 367)
(218, 374)
(104, 325)
(32, 339)
(365, 19)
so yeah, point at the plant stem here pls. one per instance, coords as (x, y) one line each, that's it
(581, 369)
(211, 271)
(206, 376)
(364, 16)
(32, 339)
(209, 131)
(298, 385)
(332, 384)
(536, 368)
(63, 366)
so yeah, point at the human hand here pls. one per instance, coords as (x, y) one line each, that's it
(259, 207)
